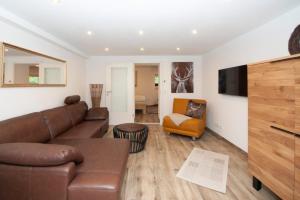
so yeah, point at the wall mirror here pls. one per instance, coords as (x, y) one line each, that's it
(25, 68)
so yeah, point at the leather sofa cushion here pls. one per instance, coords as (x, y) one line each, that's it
(58, 120)
(97, 114)
(95, 186)
(72, 99)
(106, 155)
(84, 130)
(26, 128)
(77, 112)
(38, 155)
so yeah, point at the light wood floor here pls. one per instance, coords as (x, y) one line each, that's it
(150, 117)
(151, 173)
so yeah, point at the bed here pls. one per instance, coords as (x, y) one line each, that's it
(140, 103)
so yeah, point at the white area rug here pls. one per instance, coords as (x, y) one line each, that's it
(206, 168)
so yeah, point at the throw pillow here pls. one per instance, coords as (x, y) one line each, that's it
(195, 110)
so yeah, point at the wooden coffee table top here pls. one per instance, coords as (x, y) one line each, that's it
(131, 127)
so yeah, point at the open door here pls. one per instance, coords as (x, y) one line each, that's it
(120, 93)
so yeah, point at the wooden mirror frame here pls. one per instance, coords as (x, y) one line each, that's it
(3, 85)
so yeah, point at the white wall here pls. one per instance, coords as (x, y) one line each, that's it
(96, 74)
(228, 115)
(18, 101)
(145, 83)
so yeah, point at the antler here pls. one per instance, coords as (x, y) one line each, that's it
(176, 76)
(188, 73)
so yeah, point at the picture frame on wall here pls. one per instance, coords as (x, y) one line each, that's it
(182, 77)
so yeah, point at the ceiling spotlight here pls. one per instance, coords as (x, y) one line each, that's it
(178, 49)
(56, 2)
(106, 49)
(194, 31)
(6, 50)
(141, 32)
(142, 49)
(89, 32)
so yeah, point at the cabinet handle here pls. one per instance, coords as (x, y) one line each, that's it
(283, 130)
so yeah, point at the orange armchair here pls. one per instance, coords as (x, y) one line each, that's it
(191, 127)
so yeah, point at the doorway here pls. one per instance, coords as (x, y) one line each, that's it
(147, 93)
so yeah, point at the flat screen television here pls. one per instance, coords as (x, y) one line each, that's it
(234, 81)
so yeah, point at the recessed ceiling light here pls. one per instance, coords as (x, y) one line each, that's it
(142, 49)
(6, 50)
(141, 32)
(194, 31)
(56, 2)
(178, 49)
(106, 49)
(89, 32)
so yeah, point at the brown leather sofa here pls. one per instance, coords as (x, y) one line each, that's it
(58, 154)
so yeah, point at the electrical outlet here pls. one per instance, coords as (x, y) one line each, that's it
(218, 126)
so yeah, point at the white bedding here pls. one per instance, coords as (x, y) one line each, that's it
(140, 98)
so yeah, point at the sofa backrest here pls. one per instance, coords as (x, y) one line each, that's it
(26, 128)
(180, 105)
(58, 120)
(77, 112)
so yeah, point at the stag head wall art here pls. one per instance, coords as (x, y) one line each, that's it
(182, 77)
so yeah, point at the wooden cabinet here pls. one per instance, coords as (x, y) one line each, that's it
(297, 168)
(274, 108)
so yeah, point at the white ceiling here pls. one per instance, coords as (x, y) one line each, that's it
(167, 24)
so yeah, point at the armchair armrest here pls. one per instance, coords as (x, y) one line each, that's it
(97, 114)
(38, 155)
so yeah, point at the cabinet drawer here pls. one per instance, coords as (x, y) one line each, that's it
(271, 157)
(271, 88)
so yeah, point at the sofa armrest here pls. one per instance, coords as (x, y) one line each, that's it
(26, 182)
(38, 155)
(97, 114)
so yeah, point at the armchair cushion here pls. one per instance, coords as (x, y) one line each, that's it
(97, 114)
(38, 155)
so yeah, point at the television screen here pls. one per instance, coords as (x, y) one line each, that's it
(233, 81)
